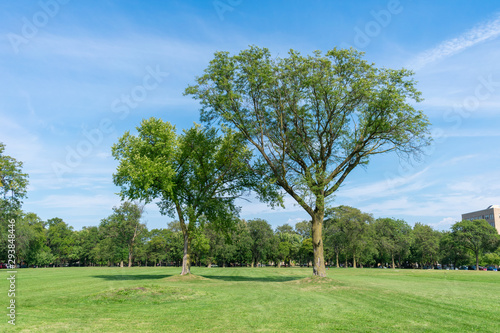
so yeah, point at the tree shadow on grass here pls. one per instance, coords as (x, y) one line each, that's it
(131, 277)
(253, 278)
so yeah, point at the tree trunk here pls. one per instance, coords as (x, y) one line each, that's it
(393, 261)
(477, 260)
(317, 240)
(354, 260)
(186, 263)
(337, 258)
(121, 263)
(130, 258)
(131, 246)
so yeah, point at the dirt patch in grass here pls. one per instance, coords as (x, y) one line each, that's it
(187, 277)
(318, 283)
(314, 280)
(146, 294)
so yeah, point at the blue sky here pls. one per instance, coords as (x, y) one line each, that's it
(76, 75)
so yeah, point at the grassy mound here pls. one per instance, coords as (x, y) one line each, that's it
(145, 294)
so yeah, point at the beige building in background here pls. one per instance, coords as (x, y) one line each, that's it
(490, 214)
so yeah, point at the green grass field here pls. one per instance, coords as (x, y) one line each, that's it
(252, 300)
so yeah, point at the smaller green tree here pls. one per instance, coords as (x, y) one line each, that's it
(156, 248)
(243, 243)
(303, 229)
(284, 229)
(261, 234)
(288, 246)
(200, 248)
(425, 244)
(453, 252)
(478, 236)
(87, 239)
(335, 240)
(124, 227)
(284, 249)
(355, 225)
(392, 237)
(491, 259)
(306, 251)
(196, 176)
(30, 238)
(60, 239)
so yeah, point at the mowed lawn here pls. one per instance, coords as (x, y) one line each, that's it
(252, 300)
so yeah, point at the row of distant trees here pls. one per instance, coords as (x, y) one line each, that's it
(351, 239)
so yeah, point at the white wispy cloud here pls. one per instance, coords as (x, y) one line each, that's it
(444, 224)
(482, 32)
(394, 184)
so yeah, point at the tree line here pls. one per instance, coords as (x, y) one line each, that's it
(351, 239)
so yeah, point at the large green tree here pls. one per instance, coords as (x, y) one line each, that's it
(313, 119)
(197, 176)
(477, 236)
